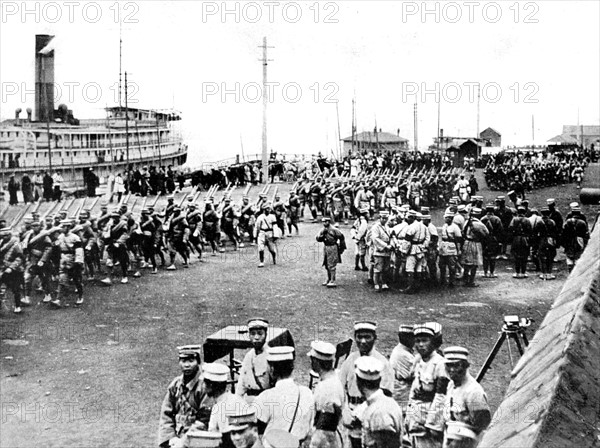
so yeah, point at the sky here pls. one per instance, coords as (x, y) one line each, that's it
(534, 66)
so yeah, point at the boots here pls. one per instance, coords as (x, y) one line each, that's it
(410, 280)
(331, 283)
(356, 260)
(362, 263)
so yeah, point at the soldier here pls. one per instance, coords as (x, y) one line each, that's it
(365, 336)
(280, 213)
(467, 410)
(293, 216)
(463, 189)
(382, 417)
(210, 228)
(12, 261)
(418, 237)
(328, 395)
(177, 238)
(335, 246)
(450, 240)
(359, 233)
(215, 377)
(71, 263)
(148, 229)
(431, 251)
(555, 216)
(491, 244)
(382, 249)
(275, 406)
(575, 236)
(424, 416)
(414, 193)
(474, 232)
(88, 240)
(247, 221)
(118, 237)
(185, 402)
(506, 215)
(243, 428)
(263, 233)
(401, 360)
(194, 220)
(547, 245)
(254, 375)
(520, 228)
(37, 248)
(227, 222)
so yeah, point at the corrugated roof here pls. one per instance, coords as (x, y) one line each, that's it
(578, 130)
(381, 137)
(563, 138)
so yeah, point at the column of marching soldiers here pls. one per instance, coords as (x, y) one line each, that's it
(402, 247)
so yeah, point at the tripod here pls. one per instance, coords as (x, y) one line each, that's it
(510, 330)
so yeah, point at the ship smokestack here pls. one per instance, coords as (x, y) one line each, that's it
(29, 111)
(44, 78)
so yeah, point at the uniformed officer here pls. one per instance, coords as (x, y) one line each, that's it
(548, 244)
(474, 233)
(424, 419)
(520, 228)
(254, 374)
(381, 240)
(215, 383)
(335, 245)
(185, 402)
(450, 239)
(243, 428)
(418, 237)
(287, 406)
(37, 248)
(575, 236)
(328, 395)
(365, 336)
(71, 263)
(402, 360)
(467, 412)
(382, 417)
(491, 244)
(263, 233)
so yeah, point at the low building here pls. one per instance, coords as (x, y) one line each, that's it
(375, 141)
(491, 137)
(464, 148)
(585, 136)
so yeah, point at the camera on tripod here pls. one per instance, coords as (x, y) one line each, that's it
(513, 323)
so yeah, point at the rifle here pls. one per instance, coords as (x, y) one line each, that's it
(78, 210)
(37, 206)
(274, 195)
(49, 211)
(91, 207)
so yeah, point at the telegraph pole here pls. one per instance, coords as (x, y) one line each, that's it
(126, 124)
(416, 138)
(265, 154)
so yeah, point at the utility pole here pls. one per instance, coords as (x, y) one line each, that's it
(438, 127)
(265, 155)
(416, 138)
(126, 124)
(158, 140)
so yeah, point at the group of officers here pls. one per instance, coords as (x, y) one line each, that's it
(404, 248)
(421, 397)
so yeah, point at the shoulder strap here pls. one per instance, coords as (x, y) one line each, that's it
(295, 411)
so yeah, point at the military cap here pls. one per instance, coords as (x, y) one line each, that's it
(456, 430)
(192, 204)
(325, 219)
(282, 353)
(489, 208)
(266, 205)
(419, 215)
(405, 207)
(171, 197)
(145, 211)
(525, 202)
(368, 368)
(322, 350)
(573, 205)
(217, 372)
(36, 223)
(426, 217)
(203, 439)
(77, 228)
(449, 215)
(115, 214)
(190, 198)
(104, 203)
(423, 329)
(384, 214)
(246, 197)
(406, 328)
(425, 210)
(185, 351)
(550, 201)
(462, 209)
(476, 211)
(227, 199)
(500, 199)
(279, 438)
(258, 322)
(64, 222)
(364, 210)
(411, 213)
(454, 354)
(27, 220)
(368, 325)
(545, 211)
(521, 208)
(241, 418)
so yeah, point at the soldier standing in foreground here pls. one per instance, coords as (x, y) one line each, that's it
(335, 245)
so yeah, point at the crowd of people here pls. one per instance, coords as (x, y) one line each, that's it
(419, 397)
(47, 186)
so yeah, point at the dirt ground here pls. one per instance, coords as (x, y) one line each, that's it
(96, 376)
